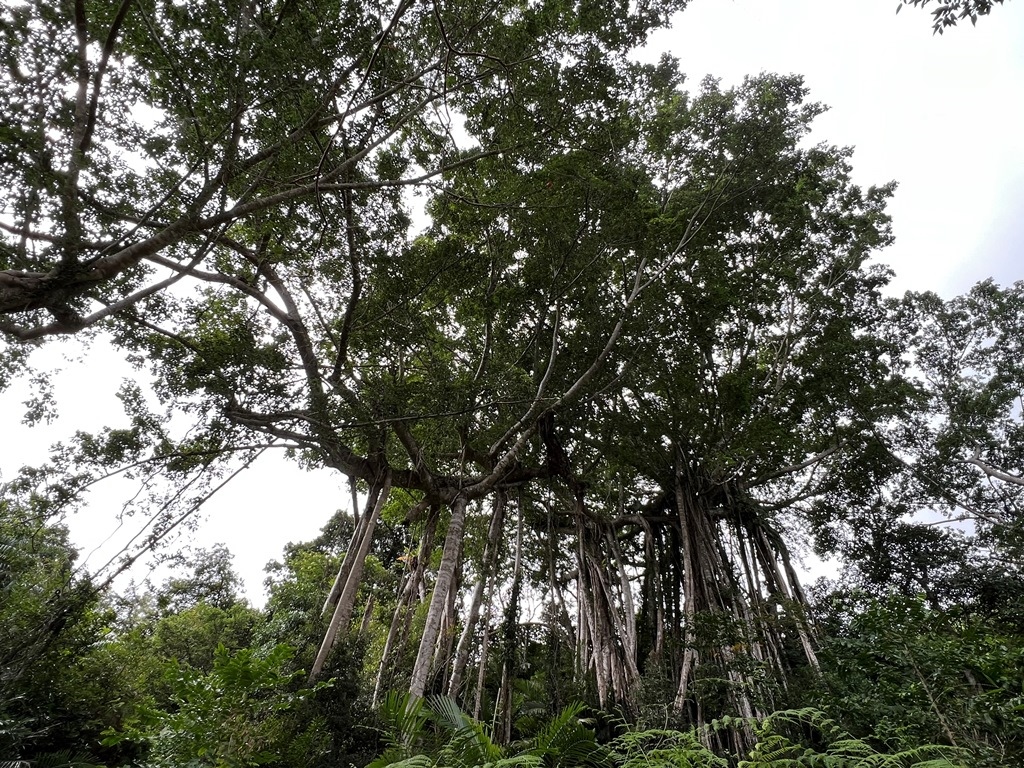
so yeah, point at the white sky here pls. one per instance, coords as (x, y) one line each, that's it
(942, 115)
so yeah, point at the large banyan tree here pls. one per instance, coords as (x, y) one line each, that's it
(612, 354)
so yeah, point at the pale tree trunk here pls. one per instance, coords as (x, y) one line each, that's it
(690, 658)
(353, 544)
(560, 614)
(367, 617)
(629, 635)
(615, 670)
(511, 633)
(399, 629)
(766, 651)
(504, 706)
(347, 599)
(653, 594)
(620, 670)
(583, 633)
(711, 586)
(443, 656)
(439, 598)
(803, 626)
(487, 568)
(481, 673)
(591, 639)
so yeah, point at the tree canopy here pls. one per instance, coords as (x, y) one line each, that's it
(588, 343)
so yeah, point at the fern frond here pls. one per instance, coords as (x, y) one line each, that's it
(404, 718)
(661, 748)
(415, 761)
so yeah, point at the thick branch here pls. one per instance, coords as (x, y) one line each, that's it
(991, 471)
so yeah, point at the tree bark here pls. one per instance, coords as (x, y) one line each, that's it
(510, 638)
(472, 619)
(347, 599)
(353, 545)
(445, 574)
(398, 631)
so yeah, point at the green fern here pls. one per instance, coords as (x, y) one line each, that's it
(563, 743)
(405, 721)
(796, 738)
(64, 759)
(414, 761)
(775, 749)
(659, 748)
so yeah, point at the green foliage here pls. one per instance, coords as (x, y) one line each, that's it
(59, 687)
(663, 748)
(192, 636)
(784, 739)
(294, 615)
(969, 437)
(807, 737)
(210, 579)
(63, 759)
(907, 675)
(951, 12)
(436, 732)
(652, 315)
(242, 713)
(566, 741)
(404, 720)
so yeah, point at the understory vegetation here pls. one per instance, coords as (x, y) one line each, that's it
(604, 357)
(187, 673)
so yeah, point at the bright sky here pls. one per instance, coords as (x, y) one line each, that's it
(944, 116)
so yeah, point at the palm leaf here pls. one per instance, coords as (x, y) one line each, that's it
(470, 744)
(565, 741)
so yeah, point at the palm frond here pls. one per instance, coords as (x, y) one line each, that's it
(565, 741)
(470, 744)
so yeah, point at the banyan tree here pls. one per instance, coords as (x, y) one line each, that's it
(635, 345)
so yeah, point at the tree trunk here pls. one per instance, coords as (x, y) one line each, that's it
(510, 642)
(398, 631)
(487, 567)
(353, 544)
(347, 599)
(443, 655)
(443, 585)
(481, 673)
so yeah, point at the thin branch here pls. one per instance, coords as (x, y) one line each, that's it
(97, 78)
(815, 459)
(152, 541)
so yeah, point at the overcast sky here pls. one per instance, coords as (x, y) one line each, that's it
(942, 115)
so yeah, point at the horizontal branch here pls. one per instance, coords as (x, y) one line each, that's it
(816, 458)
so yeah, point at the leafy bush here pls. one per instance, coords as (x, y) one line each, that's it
(239, 714)
(907, 674)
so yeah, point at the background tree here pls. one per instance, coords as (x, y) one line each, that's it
(968, 351)
(60, 687)
(911, 674)
(949, 14)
